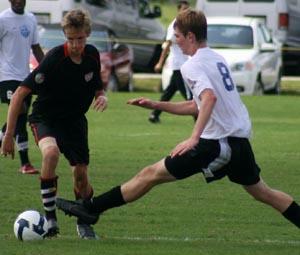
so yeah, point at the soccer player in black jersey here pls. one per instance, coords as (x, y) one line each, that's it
(66, 83)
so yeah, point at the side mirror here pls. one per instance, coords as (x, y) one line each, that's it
(268, 47)
(147, 12)
(157, 11)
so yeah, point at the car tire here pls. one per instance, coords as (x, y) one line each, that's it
(277, 88)
(259, 88)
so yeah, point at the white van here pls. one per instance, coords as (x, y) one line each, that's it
(46, 11)
(282, 17)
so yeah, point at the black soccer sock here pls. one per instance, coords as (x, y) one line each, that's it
(2, 133)
(105, 201)
(48, 192)
(21, 136)
(24, 157)
(292, 213)
(3, 129)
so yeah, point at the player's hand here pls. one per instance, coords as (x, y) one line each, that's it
(184, 147)
(142, 102)
(100, 103)
(158, 68)
(8, 146)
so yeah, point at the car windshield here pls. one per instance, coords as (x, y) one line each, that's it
(230, 36)
(51, 37)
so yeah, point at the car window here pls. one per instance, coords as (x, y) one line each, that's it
(101, 3)
(50, 38)
(229, 36)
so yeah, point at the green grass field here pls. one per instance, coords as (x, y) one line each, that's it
(185, 218)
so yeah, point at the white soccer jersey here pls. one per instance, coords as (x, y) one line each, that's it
(17, 34)
(207, 69)
(176, 57)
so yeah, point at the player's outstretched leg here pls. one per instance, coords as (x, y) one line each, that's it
(88, 211)
(279, 200)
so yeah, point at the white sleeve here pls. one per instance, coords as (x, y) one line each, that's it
(170, 32)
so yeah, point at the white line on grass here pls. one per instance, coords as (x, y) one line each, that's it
(189, 239)
(183, 239)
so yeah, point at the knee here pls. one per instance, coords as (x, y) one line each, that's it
(51, 154)
(148, 175)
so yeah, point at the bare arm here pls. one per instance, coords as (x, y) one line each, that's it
(100, 103)
(208, 100)
(158, 67)
(178, 108)
(37, 52)
(12, 116)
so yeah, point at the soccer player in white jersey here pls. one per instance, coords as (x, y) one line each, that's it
(18, 36)
(218, 145)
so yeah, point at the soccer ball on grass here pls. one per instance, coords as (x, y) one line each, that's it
(30, 225)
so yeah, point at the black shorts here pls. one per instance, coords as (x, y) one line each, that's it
(232, 157)
(71, 137)
(7, 88)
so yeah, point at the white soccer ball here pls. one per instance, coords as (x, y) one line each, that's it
(30, 225)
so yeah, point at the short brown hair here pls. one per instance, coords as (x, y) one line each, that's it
(192, 21)
(78, 19)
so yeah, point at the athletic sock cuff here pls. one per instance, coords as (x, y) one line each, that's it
(105, 201)
(292, 213)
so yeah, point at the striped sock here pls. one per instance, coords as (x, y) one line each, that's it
(48, 192)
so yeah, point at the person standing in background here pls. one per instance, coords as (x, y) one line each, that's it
(176, 59)
(18, 35)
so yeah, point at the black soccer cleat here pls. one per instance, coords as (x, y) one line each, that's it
(154, 119)
(53, 232)
(77, 209)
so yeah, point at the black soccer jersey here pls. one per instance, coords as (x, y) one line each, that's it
(64, 89)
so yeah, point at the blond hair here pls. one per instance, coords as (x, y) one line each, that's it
(78, 19)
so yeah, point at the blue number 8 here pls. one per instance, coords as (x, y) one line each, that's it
(227, 81)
